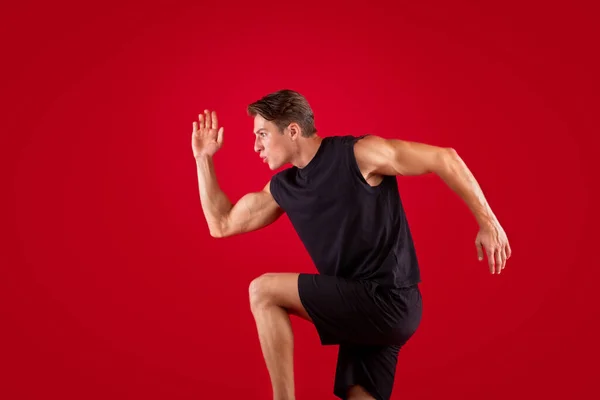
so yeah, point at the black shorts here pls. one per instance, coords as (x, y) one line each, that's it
(369, 322)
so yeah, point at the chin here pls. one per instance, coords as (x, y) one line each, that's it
(273, 165)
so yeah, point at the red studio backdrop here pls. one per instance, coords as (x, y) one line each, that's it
(111, 286)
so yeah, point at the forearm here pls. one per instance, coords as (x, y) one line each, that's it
(215, 204)
(455, 173)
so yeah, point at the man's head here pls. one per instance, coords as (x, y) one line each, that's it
(281, 120)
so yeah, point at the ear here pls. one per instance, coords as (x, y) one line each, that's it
(294, 130)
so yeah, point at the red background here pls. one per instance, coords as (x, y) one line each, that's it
(111, 286)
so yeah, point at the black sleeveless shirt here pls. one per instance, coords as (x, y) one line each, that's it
(349, 228)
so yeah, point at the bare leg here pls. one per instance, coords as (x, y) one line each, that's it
(272, 298)
(357, 392)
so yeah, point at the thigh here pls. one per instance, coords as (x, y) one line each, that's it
(345, 311)
(280, 289)
(371, 367)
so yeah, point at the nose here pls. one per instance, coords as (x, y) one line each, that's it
(257, 146)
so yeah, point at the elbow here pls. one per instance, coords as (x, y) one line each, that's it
(218, 231)
(450, 153)
(447, 161)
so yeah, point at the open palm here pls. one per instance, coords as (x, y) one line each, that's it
(207, 137)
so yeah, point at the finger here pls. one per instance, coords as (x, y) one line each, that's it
(499, 262)
(220, 136)
(504, 258)
(479, 250)
(207, 122)
(508, 250)
(215, 121)
(194, 127)
(491, 261)
(201, 121)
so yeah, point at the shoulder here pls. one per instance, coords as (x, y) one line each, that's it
(368, 147)
(371, 142)
(364, 143)
(348, 140)
(374, 154)
(369, 150)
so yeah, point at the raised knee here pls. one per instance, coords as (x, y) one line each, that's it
(259, 291)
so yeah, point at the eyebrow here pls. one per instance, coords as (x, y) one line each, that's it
(261, 129)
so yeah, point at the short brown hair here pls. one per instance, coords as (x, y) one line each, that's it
(284, 107)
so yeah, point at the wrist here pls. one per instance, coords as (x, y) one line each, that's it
(202, 158)
(486, 219)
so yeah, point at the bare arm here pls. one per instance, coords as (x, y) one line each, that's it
(379, 156)
(253, 211)
(376, 155)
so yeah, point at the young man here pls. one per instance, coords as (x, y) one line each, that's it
(341, 196)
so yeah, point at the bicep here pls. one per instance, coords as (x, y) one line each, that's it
(253, 211)
(376, 155)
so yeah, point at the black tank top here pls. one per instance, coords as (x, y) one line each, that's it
(349, 228)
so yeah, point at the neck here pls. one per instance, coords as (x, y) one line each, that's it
(306, 150)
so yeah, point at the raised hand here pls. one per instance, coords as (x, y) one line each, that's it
(207, 137)
(492, 239)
